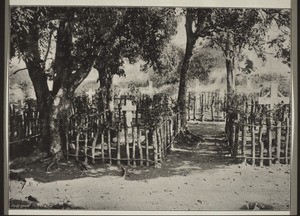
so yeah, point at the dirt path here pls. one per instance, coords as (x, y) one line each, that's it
(196, 176)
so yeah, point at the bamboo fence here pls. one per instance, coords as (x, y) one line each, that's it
(23, 125)
(262, 141)
(206, 106)
(91, 139)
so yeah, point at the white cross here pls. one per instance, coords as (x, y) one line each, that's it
(274, 98)
(90, 93)
(129, 108)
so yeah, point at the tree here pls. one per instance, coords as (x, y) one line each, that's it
(144, 34)
(197, 25)
(231, 31)
(79, 35)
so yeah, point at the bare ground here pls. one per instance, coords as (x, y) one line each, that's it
(195, 176)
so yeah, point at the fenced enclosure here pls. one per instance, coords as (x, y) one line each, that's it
(260, 134)
(24, 124)
(143, 129)
(91, 139)
(206, 106)
(265, 143)
(24, 129)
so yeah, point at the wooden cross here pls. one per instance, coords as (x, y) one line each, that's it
(129, 108)
(274, 98)
(90, 93)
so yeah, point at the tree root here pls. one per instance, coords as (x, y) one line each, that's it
(189, 138)
(49, 162)
(124, 172)
(82, 165)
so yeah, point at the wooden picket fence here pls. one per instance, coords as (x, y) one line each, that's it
(262, 141)
(206, 106)
(23, 124)
(91, 139)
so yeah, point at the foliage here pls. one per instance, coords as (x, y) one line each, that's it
(242, 104)
(143, 34)
(282, 42)
(155, 110)
(202, 62)
(82, 104)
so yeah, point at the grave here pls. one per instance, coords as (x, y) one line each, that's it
(275, 97)
(129, 110)
(90, 94)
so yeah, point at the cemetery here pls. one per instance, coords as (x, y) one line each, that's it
(132, 120)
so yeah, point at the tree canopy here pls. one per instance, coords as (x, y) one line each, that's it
(63, 44)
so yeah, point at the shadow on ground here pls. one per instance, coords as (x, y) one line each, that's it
(185, 158)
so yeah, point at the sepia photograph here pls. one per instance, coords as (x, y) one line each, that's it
(149, 108)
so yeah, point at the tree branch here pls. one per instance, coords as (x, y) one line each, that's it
(17, 71)
(49, 44)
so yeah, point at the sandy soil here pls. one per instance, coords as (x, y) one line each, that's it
(194, 177)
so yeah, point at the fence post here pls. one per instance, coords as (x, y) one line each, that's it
(102, 139)
(77, 146)
(230, 133)
(119, 145)
(287, 139)
(244, 135)
(161, 137)
(179, 122)
(158, 144)
(85, 147)
(233, 139)
(139, 145)
(154, 134)
(67, 144)
(133, 146)
(201, 108)
(208, 99)
(253, 143)
(167, 143)
(236, 136)
(261, 162)
(194, 110)
(269, 132)
(189, 106)
(109, 144)
(93, 146)
(212, 108)
(278, 139)
(127, 144)
(147, 147)
(119, 110)
(171, 135)
(252, 111)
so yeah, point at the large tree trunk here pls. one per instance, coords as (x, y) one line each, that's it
(182, 93)
(59, 117)
(44, 99)
(106, 93)
(110, 98)
(230, 69)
